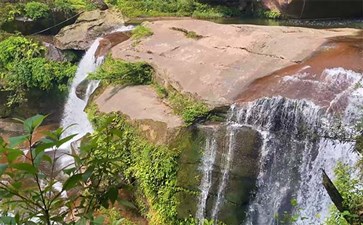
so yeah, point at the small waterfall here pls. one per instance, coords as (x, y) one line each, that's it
(299, 139)
(231, 132)
(74, 108)
(207, 168)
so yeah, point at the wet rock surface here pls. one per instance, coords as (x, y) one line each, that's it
(326, 78)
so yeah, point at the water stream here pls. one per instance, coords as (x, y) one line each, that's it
(299, 139)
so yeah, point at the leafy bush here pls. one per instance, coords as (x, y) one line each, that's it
(136, 8)
(352, 192)
(41, 73)
(17, 48)
(36, 10)
(29, 193)
(71, 6)
(121, 72)
(153, 167)
(22, 68)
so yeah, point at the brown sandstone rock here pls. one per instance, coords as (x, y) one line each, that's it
(87, 28)
(218, 67)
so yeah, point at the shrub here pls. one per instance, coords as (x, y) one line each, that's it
(121, 72)
(29, 193)
(41, 73)
(36, 10)
(16, 48)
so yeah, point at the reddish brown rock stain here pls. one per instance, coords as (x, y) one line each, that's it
(345, 52)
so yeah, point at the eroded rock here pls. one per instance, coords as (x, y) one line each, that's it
(87, 28)
(219, 66)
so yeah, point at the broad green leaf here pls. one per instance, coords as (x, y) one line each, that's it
(65, 140)
(72, 182)
(25, 167)
(33, 123)
(99, 220)
(112, 194)
(127, 204)
(3, 168)
(13, 154)
(15, 141)
(87, 174)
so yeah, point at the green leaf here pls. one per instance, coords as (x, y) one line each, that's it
(14, 154)
(15, 141)
(72, 182)
(3, 168)
(26, 167)
(127, 204)
(33, 123)
(112, 194)
(99, 220)
(65, 140)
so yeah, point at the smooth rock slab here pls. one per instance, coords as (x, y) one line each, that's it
(141, 105)
(219, 66)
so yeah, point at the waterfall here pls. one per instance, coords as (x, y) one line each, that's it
(74, 116)
(226, 168)
(208, 160)
(299, 139)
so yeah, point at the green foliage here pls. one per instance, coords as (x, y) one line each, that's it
(153, 167)
(187, 107)
(71, 6)
(141, 32)
(28, 192)
(269, 14)
(121, 72)
(42, 74)
(137, 8)
(22, 68)
(352, 192)
(16, 48)
(36, 10)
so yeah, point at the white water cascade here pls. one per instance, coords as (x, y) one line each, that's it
(74, 116)
(299, 139)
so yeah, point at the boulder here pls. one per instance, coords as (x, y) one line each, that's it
(87, 28)
(141, 105)
(316, 9)
(218, 65)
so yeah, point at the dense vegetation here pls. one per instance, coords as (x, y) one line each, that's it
(39, 9)
(23, 68)
(121, 72)
(195, 8)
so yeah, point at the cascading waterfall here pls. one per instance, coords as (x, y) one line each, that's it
(231, 132)
(74, 114)
(74, 118)
(207, 168)
(299, 139)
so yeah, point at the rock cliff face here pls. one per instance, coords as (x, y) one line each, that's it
(218, 65)
(316, 9)
(87, 28)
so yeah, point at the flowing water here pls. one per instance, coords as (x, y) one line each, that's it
(299, 139)
(74, 118)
